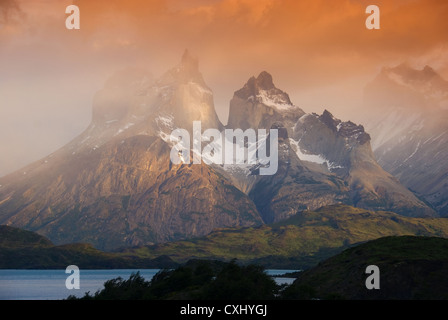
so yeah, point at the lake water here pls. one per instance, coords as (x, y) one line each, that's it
(50, 284)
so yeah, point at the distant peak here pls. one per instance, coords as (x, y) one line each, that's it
(401, 68)
(186, 71)
(189, 60)
(264, 81)
(406, 70)
(329, 120)
(345, 129)
(428, 70)
(327, 113)
(417, 78)
(186, 54)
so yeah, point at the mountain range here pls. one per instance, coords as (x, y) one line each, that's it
(115, 186)
(407, 115)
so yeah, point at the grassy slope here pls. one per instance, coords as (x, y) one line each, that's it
(17, 238)
(297, 243)
(410, 268)
(300, 241)
(21, 249)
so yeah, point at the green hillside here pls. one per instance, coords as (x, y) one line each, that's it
(410, 268)
(17, 238)
(300, 241)
(21, 249)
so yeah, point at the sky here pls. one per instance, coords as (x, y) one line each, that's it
(319, 52)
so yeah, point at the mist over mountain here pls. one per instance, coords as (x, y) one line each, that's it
(407, 111)
(114, 185)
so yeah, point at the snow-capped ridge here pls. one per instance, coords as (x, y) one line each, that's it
(263, 90)
(346, 129)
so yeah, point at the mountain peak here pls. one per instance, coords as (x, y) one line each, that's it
(404, 73)
(254, 85)
(186, 71)
(345, 129)
(408, 88)
(263, 90)
(329, 120)
(429, 71)
(260, 104)
(264, 81)
(189, 62)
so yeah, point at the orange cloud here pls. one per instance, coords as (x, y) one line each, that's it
(318, 51)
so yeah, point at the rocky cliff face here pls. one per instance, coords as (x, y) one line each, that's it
(259, 104)
(115, 185)
(409, 129)
(132, 104)
(322, 160)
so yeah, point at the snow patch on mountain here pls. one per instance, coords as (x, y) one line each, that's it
(414, 152)
(392, 125)
(200, 89)
(166, 121)
(165, 137)
(314, 158)
(124, 128)
(273, 101)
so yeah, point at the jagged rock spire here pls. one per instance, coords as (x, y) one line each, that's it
(263, 82)
(186, 71)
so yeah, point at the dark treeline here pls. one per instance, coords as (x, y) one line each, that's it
(411, 268)
(197, 280)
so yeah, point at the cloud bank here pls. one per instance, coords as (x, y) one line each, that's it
(318, 51)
